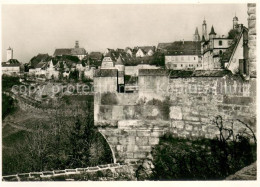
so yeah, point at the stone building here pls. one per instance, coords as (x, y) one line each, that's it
(76, 51)
(212, 49)
(11, 66)
(145, 51)
(183, 55)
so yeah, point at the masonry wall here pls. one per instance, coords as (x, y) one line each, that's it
(251, 11)
(132, 123)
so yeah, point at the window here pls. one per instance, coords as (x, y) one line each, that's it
(220, 52)
(181, 65)
(220, 43)
(194, 58)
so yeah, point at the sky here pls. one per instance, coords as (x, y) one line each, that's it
(33, 29)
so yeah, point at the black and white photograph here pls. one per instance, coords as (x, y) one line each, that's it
(129, 92)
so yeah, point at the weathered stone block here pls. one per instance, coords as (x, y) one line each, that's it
(131, 148)
(251, 4)
(144, 133)
(130, 155)
(175, 112)
(191, 118)
(140, 155)
(237, 100)
(153, 141)
(252, 31)
(156, 133)
(117, 112)
(112, 140)
(141, 140)
(188, 127)
(179, 125)
(251, 10)
(145, 148)
(251, 24)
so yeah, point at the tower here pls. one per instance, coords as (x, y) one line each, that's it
(212, 33)
(204, 29)
(77, 44)
(196, 36)
(235, 22)
(9, 54)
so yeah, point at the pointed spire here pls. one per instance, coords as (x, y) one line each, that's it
(203, 39)
(119, 61)
(212, 31)
(196, 31)
(204, 21)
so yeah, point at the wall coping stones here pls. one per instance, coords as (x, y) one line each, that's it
(105, 73)
(59, 171)
(47, 173)
(93, 168)
(70, 170)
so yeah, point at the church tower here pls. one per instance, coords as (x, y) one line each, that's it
(9, 54)
(235, 22)
(77, 44)
(204, 30)
(196, 36)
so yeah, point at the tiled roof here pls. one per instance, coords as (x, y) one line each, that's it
(39, 58)
(163, 45)
(184, 48)
(11, 63)
(146, 48)
(69, 51)
(212, 31)
(119, 61)
(41, 65)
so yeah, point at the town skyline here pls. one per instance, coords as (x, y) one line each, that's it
(111, 30)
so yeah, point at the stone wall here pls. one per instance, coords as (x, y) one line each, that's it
(132, 123)
(252, 37)
(107, 172)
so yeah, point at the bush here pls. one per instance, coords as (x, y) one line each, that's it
(201, 159)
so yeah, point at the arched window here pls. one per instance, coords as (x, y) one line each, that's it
(220, 52)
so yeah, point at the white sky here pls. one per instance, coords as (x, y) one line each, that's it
(33, 29)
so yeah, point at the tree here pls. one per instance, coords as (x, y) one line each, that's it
(233, 33)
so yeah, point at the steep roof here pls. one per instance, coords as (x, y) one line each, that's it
(41, 65)
(163, 45)
(196, 31)
(212, 31)
(11, 63)
(146, 49)
(97, 56)
(119, 61)
(226, 56)
(203, 38)
(184, 48)
(39, 58)
(69, 51)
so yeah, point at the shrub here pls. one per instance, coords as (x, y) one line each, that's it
(202, 159)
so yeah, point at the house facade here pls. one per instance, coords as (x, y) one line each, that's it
(11, 66)
(76, 51)
(183, 55)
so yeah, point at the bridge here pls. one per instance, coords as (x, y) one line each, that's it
(132, 123)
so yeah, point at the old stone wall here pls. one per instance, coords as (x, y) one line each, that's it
(132, 123)
(107, 172)
(252, 37)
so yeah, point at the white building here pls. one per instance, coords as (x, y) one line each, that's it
(11, 66)
(183, 55)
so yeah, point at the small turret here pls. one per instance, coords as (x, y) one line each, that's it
(212, 33)
(235, 22)
(196, 36)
